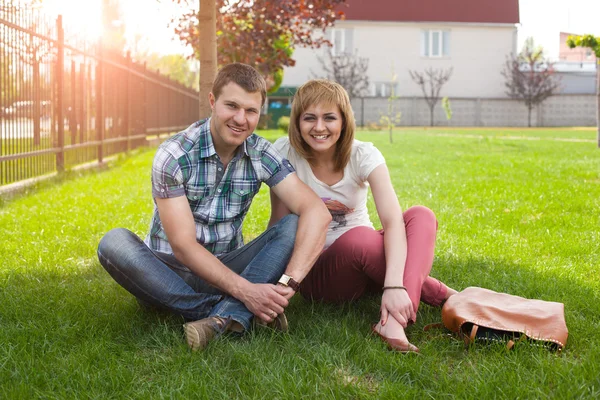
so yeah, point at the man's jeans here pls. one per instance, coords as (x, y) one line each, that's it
(158, 279)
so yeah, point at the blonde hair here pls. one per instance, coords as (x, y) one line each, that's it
(326, 92)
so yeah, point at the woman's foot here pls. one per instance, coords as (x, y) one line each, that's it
(392, 333)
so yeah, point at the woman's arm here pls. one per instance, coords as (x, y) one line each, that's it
(394, 301)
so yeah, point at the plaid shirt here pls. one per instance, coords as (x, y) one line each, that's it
(187, 165)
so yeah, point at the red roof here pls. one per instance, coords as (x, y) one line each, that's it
(482, 11)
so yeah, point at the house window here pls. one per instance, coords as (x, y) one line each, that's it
(435, 43)
(383, 89)
(342, 40)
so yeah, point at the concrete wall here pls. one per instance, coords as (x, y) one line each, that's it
(564, 110)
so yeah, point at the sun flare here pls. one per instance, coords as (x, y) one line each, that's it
(82, 17)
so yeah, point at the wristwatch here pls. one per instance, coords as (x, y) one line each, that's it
(287, 280)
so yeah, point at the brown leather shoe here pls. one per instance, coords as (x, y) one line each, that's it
(280, 323)
(396, 344)
(200, 333)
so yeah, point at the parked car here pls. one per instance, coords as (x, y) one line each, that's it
(24, 109)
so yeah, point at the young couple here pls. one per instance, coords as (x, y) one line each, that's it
(320, 241)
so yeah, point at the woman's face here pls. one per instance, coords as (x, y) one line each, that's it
(321, 127)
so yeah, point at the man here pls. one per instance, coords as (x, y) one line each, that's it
(193, 261)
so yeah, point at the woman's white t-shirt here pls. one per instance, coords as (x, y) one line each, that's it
(347, 199)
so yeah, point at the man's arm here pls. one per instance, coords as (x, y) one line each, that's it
(178, 223)
(278, 209)
(313, 220)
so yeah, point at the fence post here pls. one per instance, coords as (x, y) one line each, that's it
(128, 101)
(81, 106)
(145, 102)
(60, 74)
(99, 125)
(73, 114)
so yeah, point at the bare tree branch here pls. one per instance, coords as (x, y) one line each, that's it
(349, 70)
(431, 82)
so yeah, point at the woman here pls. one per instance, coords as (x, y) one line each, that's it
(357, 259)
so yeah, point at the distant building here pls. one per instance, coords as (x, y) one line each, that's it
(576, 68)
(577, 54)
(471, 36)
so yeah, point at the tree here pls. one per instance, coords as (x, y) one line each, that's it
(176, 66)
(8, 78)
(431, 82)
(349, 70)
(204, 35)
(392, 117)
(113, 28)
(529, 77)
(261, 33)
(593, 43)
(26, 48)
(447, 108)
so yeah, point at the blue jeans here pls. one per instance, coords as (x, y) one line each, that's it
(159, 280)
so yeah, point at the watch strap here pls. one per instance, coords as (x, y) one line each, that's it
(287, 280)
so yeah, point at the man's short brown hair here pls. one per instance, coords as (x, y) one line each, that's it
(243, 75)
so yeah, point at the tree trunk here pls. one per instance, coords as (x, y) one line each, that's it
(529, 116)
(207, 21)
(431, 108)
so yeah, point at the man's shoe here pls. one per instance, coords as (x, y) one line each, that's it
(200, 333)
(280, 323)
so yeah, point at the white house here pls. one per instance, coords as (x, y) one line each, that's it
(471, 36)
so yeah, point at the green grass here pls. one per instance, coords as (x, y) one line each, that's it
(519, 216)
(579, 133)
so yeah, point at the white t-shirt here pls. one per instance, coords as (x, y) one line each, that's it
(347, 199)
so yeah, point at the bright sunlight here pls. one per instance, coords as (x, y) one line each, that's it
(85, 17)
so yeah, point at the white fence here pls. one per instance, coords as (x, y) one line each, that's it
(563, 110)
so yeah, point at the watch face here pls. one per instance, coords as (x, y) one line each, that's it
(285, 279)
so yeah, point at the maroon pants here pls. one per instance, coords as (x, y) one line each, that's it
(355, 264)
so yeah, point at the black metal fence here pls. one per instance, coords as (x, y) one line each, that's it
(64, 101)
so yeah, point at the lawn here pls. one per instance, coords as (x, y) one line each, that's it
(518, 216)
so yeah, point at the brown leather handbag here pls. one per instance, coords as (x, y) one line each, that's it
(478, 314)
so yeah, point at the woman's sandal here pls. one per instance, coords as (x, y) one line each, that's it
(396, 344)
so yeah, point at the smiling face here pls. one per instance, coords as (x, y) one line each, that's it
(321, 128)
(235, 114)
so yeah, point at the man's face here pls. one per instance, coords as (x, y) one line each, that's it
(235, 115)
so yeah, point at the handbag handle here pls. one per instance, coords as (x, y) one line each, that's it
(473, 335)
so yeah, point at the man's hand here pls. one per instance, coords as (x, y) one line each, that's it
(264, 300)
(286, 291)
(395, 302)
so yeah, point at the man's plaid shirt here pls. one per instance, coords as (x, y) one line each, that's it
(187, 165)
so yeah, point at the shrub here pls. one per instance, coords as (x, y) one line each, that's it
(284, 123)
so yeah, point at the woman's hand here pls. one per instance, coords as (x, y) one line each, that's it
(395, 302)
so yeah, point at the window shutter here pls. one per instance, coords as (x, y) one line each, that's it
(349, 42)
(338, 43)
(425, 43)
(446, 44)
